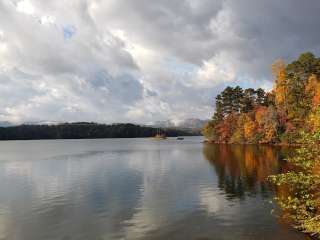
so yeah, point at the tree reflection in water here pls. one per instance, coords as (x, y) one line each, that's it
(242, 170)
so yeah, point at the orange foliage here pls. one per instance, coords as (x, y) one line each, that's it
(260, 114)
(226, 128)
(250, 163)
(280, 89)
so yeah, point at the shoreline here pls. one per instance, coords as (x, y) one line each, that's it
(266, 144)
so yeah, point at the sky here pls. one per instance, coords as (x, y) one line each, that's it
(139, 60)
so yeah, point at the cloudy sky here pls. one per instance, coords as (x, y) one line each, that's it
(140, 60)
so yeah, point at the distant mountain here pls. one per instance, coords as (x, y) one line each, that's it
(191, 123)
(10, 124)
(164, 124)
(6, 124)
(43, 123)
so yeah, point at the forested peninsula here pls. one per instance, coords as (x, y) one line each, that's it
(249, 116)
(82, 130)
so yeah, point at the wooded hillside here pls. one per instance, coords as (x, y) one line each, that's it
(84, 130)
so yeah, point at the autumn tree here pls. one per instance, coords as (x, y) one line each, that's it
(255, 116)
(280, 89)
(313, 90)
(298, 74)
(249, 129)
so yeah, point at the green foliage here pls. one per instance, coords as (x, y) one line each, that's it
(236, 100)
(298, 190)
(304, 66)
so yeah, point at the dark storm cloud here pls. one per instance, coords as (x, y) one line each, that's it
(251, 31)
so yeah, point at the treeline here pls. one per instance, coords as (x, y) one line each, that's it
(83, 130)
(279, 116)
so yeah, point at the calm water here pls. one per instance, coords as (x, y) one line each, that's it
(137, 189)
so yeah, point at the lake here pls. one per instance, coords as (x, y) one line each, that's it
(138, 189)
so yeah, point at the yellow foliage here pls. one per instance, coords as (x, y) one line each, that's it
(270, 132)
(280, 88)
(208, 130)
(249, 128)
(314, 120)
(313, 88)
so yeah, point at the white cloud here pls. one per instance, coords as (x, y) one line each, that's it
(25, 6)
(47, 20)
(216, 70)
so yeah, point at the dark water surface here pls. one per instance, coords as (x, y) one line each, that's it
(137, 189)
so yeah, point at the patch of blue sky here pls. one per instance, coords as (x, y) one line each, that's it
(179, 67)
(69, 31)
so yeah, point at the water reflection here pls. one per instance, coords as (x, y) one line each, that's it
(243, 169)
(135, 189)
